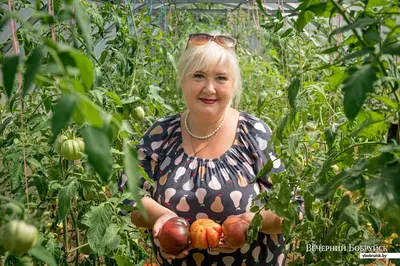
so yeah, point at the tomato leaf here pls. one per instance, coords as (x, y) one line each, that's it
(350, 215)
(86, 68)
(83, 23)
(293, 90)
(393, 49)
(32, 67)
(102, 234)
(384, 192)
(132, 171)
(255, 225)
(90, 112)
(62, 113)
(356, 87)
(65, 195)
(42, 254)
(98, 155)
(10, 66)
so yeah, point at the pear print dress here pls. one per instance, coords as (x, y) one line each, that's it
(197, 188)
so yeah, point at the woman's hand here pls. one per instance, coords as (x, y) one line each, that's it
(156, 232)
(225, 247)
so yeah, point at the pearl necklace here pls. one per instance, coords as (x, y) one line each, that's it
(209, 135)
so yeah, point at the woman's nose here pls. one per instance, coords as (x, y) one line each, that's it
(209, 87)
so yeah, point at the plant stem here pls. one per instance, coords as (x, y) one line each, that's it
(359, 144)
(76, 234)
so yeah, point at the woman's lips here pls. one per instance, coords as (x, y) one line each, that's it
(207, 101)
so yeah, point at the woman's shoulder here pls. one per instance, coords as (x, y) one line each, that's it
(254, 124)
(163, 126)
(160, 133)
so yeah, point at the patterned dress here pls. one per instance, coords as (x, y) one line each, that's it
(211, 188)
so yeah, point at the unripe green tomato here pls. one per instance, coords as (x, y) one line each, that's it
(138, 113)
(18, 237)
(89, 194)
(71, 149)
(81, 144)
(59, 141)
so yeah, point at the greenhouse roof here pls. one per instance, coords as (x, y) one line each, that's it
(270, 6)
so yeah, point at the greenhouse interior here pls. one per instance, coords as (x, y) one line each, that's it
(199, 133)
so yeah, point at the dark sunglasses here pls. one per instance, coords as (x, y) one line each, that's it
(204, 38)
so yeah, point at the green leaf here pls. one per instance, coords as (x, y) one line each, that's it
(32, 67)
(86, 68)
(293, 90)
(390, 103)
(350, 215)
(354, 183)
(261, 7)
(10, 66)
(62, 113)
(356, 54)
(255, 225)
(359, 23)
(132, 171)
(99, 156)
(330, 135)
(328, 189)
(114, 97)
(303, 19)
(287, 32)
(98, 219)
(123, 260)
(308, 200)
(111, 239)
(393, 49)
(42, 254)
(266, 169)
(385, 191)
(33, 161)
(83, 23)
(65, 195)
(90, 112)
(356, 87)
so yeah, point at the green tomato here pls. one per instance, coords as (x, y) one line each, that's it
(59, 141)
(90, 194)
(81, 144)
(71, 149)
(18, 237)
(138, 114)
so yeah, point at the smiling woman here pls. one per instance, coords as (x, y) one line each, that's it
(204, 162)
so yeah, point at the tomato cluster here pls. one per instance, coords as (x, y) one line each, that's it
(203, 233)
(69, 148)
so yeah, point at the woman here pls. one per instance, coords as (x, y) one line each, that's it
(204, 160)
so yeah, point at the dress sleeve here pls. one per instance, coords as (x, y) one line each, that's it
(259, 134)
(149, 150)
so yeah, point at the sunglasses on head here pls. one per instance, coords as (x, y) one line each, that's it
(204, 38)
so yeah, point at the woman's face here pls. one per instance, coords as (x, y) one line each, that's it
(209, 93)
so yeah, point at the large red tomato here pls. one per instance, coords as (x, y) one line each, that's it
(174, 235)
(235, 231)
(205, 233)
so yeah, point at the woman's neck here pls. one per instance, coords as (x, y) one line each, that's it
(202, 126)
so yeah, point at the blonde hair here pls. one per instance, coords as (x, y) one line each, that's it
(203, 57)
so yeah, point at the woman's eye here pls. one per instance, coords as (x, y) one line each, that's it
(198, 76)
(221, 78)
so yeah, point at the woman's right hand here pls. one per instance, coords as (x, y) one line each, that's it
(156, 232)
